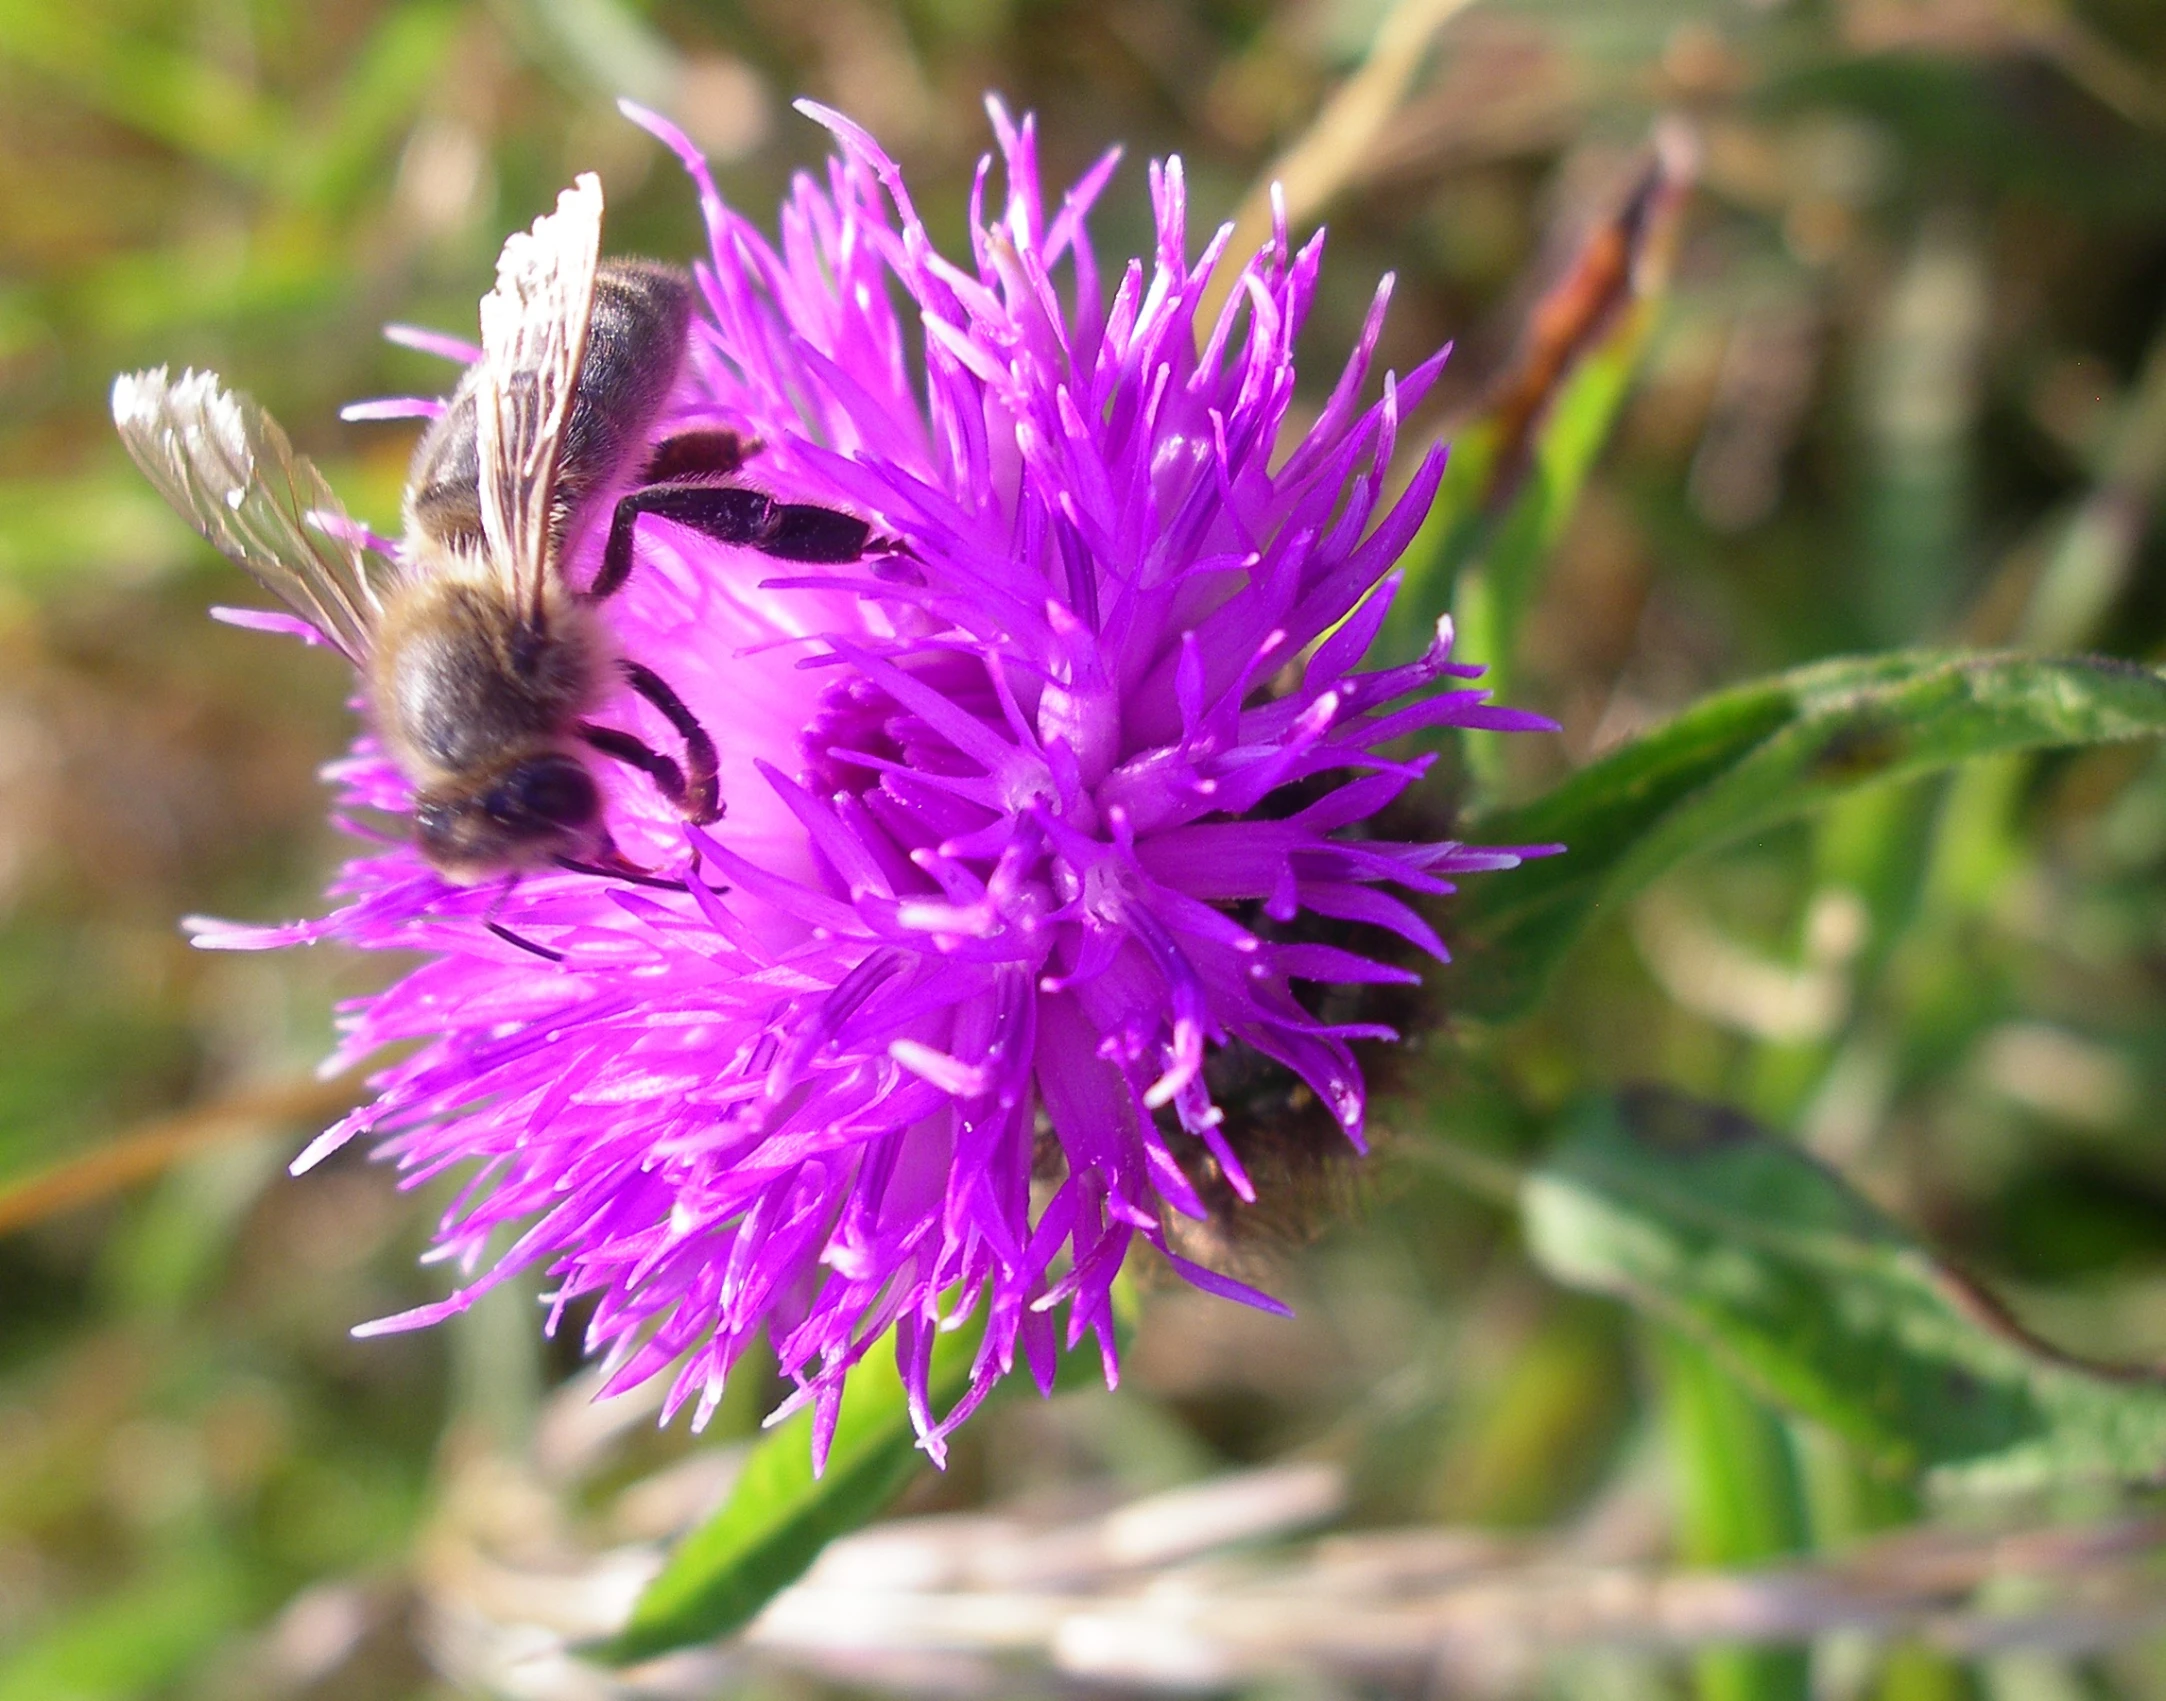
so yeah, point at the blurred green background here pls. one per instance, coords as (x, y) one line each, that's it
(1908, 385)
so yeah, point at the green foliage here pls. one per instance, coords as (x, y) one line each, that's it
(134, 1641)
(1745, 759)
(780, 1514)
(1506, 543)
(1824, 1305)
(1739, 1502)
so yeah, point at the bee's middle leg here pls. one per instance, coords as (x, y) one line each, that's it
(694, 790)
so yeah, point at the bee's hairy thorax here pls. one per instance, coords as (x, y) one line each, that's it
(461, 684)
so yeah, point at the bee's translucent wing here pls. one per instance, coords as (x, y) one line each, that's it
(230, 471)
(533, 338)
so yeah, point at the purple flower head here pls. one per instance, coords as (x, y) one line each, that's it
(1019, 817)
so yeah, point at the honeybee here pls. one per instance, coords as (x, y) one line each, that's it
(480, 662)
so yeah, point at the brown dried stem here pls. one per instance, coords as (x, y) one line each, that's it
(154, 1146)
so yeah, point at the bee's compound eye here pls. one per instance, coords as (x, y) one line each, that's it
(555, 789)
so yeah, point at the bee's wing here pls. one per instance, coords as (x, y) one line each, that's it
(533, 338)
(230, 471)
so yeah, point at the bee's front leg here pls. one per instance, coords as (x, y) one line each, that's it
(634, 752)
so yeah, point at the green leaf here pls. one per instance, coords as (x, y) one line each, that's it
(1739, 1502)
(1504, 534)
(1738, 1493)
(779, 1515)
(1825, 1306)
(1747, 758)
(1522, 536)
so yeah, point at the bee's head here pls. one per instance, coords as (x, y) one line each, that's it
(540, 808)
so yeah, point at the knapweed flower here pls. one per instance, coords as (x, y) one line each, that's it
(1023, 819)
